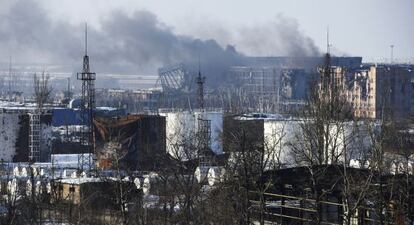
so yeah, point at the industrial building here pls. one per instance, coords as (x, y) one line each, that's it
(302, 195)
(95, 192)
(375, 91)
(133, 142)
(280, 138)
(132, 101)
(263, 84)
(17, 131)
(185, 131)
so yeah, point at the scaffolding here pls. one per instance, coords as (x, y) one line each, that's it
(204, 140)
(34, 136)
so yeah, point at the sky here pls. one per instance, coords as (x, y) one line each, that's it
(365, 28)
(259, 28)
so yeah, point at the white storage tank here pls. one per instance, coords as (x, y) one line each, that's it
(215, 175)
(201, 173)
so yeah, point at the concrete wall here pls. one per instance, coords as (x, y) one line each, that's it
(9, 129)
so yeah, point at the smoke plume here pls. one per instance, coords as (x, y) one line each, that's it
(137, 43)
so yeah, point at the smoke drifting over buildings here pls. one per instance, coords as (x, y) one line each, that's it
(136, 43)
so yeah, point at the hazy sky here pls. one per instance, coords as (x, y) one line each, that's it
(357, 27)
(262, 27)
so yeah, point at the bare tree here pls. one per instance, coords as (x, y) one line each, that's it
(42, 89)
(322, 136)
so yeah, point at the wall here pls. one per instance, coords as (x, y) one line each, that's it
(346, 141)
(9, 130)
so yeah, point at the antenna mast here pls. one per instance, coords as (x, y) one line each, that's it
(88, 105)
(328, 45)
(200, 87)
(326, 76)
(10, 76)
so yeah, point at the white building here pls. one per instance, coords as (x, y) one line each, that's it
(13, 129)
(286, 145)
(184, 128)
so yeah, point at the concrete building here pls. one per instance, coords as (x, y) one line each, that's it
(132, 101)
(95, 192)
(375, 91)
(15, 132)
(134, 141)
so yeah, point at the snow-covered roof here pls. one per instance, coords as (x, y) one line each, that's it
(261, 116)
(80, 180)
(68, 158)
(105, 108)
(8, 105)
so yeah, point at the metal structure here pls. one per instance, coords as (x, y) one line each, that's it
(175, 78)
(88, 98)
(10, 77)
(34, 136)
(200, 90)
(204, 140)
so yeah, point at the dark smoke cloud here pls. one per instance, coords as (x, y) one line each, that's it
(137, 43)
(280, 37)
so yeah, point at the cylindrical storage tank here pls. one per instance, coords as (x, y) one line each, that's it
(42, 172)
(29, 188)
(16, 171)
(39, 188)
(146, 185)
(35, 170)
(48, 187)
(201, 174)
(25, 171)
(150, 181)
(137, 182)
(12, 187)
(215, 175)
(74, 174)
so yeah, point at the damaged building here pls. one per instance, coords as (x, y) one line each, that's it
(133, 142)
(16, 132)
(267, 84)
(376, 90)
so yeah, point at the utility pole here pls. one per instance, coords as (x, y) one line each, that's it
(392, 54)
